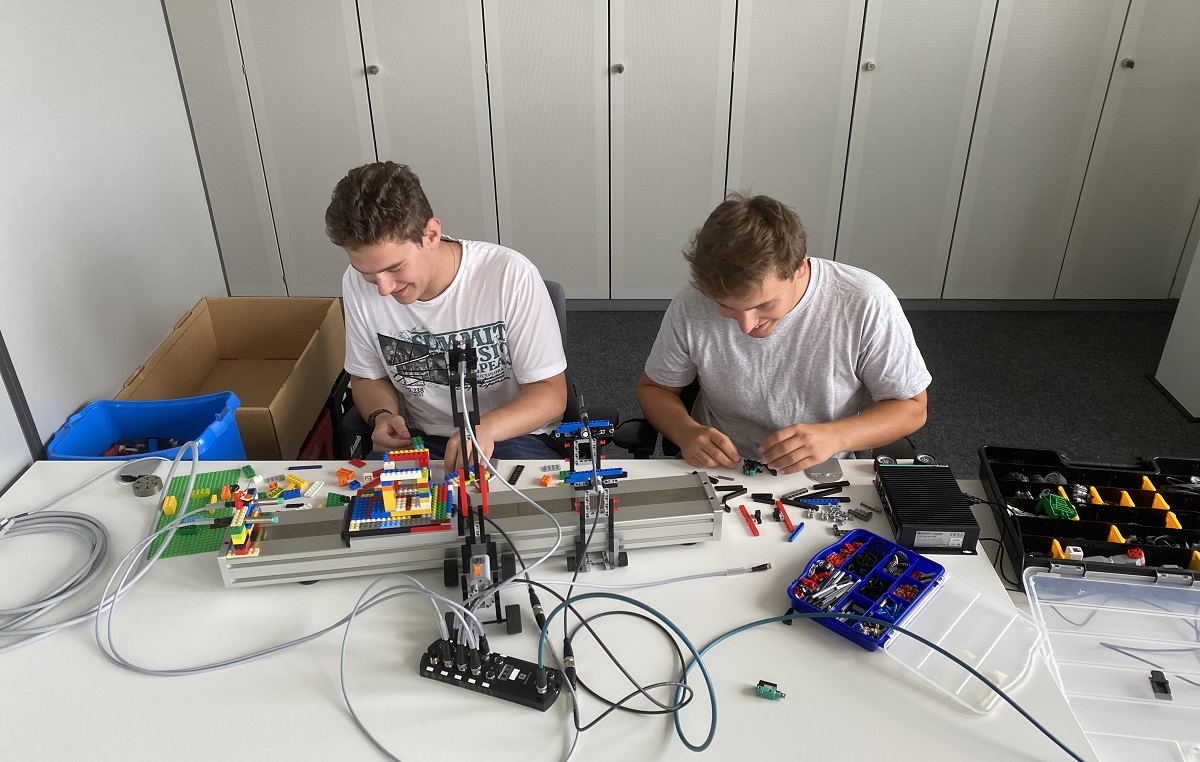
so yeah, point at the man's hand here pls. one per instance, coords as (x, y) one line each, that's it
(796, 447)
(453, 459)
(391, 433)
(705, 447)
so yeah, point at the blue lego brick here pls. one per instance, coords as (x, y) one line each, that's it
(291, 494)
(566, 428)
(579, 477)
(354, 484)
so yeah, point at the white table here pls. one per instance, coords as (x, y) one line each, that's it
(61, 699)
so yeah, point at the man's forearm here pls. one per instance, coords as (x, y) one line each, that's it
(881, 423)
(371, 394)
(665, 411)
(533, 407)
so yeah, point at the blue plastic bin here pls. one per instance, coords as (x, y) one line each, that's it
(208, 419)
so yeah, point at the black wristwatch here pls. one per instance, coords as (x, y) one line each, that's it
(371, 418)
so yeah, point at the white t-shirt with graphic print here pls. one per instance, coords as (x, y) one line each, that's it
(497, 298)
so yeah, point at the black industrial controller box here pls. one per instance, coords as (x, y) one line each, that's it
(927, 510)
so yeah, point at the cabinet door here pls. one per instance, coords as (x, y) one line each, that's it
(1143, 180)
(305, 71)
(918, 85)
(670, 135)
(429, 104)
(210, 64)
(1047, 72)
(548, 78)
(793, 91)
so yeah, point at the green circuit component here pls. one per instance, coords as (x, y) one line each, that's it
(769, 691)
(197, 539)
(1055, 506)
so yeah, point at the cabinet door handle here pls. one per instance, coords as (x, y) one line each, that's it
(1127, 63)
(618, 68)
(869, 66)
(373, 69)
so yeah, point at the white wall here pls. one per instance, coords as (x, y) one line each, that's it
(105, 237)
(1179, 369)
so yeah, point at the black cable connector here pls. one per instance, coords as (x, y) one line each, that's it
(569, 662)
(474, 662)
(540, 681)
(447, 654)
(461, 658)
(760, 567)
(538, 614)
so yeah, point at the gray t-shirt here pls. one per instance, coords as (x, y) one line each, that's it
(845, 345)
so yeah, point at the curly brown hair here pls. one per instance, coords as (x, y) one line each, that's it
(742, 242)
(377, 202)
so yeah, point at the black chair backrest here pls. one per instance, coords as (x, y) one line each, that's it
(558, 297)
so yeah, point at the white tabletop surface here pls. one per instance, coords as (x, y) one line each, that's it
(61, 699)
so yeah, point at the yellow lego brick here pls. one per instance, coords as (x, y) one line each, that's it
(170, 505)
(275, 493)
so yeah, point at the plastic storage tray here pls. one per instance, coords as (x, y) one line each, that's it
(208, 419)
(867, 575)
(1151, 506)
(1107, 631)
(984, 631)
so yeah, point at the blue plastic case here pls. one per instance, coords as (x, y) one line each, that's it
(865, 574)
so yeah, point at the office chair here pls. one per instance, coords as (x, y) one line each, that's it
(640, 438)
(357, 436)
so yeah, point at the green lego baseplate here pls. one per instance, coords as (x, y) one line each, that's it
(190, 540)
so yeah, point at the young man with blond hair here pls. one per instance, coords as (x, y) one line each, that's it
(409, 292)
(798, 359)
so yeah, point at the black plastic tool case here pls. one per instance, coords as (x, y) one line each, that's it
(1152, 505)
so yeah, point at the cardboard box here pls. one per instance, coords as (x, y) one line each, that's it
(279, 355)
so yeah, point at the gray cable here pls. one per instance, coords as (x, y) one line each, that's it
(87, 528)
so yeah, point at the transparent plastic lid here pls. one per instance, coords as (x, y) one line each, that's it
(1108, 634)
(987, 633)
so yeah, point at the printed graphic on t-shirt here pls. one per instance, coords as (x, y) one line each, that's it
(417, 358)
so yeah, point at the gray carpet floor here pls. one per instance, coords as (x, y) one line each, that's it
(1073, 382)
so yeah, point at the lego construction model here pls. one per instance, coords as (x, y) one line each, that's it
(592, 502)
(482, 567)
(404, 519)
